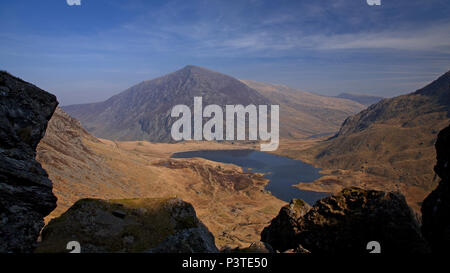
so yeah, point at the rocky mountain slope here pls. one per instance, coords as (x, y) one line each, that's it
(390, 143)
(363, 99)
(25, 191)
(305, 114)
(407, 110)
(346, 223)
(130, 225)
(142, 112)
(73, 166)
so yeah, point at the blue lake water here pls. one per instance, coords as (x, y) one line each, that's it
(283, 172)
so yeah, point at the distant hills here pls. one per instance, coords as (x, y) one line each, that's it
(142, 112)
(305, 114)
(363, 99)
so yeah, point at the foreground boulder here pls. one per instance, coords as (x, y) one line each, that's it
(436, 207)
(346, 222)
(25, 191)
(128, 225)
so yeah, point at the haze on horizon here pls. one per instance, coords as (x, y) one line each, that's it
(90, 52)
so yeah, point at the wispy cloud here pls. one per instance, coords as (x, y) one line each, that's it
(431, 38)
(225, 33)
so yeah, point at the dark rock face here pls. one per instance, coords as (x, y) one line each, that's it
(282, 232)
(128, 225)
(25, 191)
(436, 207)
(346, 222)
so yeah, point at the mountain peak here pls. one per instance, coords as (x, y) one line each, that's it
(438, 88)
(191, 67)
(196, 73)
(195, 68)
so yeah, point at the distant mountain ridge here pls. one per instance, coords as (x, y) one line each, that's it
(142, 112)
(363, 99)
(305, 114)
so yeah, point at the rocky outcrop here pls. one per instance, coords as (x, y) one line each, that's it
(346, 222)
(128, 225)
(436, 207)
(282, 232)
(25, 191)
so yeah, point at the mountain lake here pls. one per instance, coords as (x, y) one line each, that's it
(283, 172)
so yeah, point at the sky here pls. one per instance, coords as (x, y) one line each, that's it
(89, 52)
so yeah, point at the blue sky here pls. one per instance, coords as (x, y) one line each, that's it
(89, 52)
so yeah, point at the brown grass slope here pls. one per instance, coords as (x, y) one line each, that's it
(390, 143)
